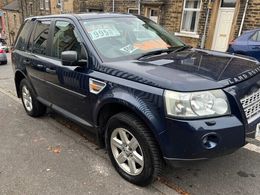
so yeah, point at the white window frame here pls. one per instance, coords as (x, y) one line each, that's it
(132, 8)
(42, 2)
(30, 9)
(187, 33)
(47, 4)
(150, 14)
(59, 2)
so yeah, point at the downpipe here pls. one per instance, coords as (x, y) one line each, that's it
(203, 39)
(243, 18)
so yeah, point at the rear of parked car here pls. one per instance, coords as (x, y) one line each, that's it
(3, 57)
(247, 44)
(149, 97)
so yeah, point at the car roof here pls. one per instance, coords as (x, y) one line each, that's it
(252, 30)
(83, 16)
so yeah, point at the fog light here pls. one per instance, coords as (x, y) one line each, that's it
(210, 141)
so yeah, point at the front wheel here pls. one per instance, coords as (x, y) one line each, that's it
(132, 149)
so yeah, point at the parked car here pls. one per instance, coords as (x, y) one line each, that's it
(3, 57)
(149, 97)
(4, 46)
(247, 44)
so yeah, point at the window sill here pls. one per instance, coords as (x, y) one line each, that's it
(191, 35)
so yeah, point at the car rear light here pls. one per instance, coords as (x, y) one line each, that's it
(2, 51)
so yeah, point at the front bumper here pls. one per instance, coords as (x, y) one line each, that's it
(184, 139)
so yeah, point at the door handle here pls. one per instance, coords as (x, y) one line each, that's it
(50, 70)
(26, 61)
(39, 66)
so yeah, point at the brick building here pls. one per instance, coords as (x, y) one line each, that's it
(13, 19)
(200, 23)
(65, 6)
(35, 7)
(2, 19)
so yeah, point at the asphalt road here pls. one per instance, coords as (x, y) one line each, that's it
(50, 155)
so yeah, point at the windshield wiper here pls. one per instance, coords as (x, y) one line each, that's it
(181, 48)
(156, 52)
(169, 50)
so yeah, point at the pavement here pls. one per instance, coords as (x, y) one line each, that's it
(51, 155)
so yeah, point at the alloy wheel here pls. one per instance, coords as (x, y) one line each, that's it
(127, 151)
(27, 98)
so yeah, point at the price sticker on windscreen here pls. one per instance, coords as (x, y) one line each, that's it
(102, 31)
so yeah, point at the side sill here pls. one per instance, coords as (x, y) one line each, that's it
(67, 114)
(70, 116)
(43, 101)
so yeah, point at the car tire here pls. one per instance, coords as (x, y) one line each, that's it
(31, 105)
(139, 161)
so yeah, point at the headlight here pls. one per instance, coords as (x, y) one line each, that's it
(196, 104)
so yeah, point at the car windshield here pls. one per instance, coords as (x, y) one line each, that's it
(128, 38)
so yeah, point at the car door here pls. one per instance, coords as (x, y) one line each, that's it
(23, 59)
(37, 56)
(254, 45)
(68, 85)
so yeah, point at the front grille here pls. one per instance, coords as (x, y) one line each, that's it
(251, 105)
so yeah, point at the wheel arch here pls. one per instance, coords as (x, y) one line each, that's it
(18, 77)
(111, 106)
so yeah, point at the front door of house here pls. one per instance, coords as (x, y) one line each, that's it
(223, 25)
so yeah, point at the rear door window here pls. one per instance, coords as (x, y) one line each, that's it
(40, 37)
(21, 42)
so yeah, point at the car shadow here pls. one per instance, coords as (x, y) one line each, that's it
(237, 173)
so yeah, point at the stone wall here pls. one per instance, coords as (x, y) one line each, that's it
(252, 19)
(32, 8)
(4, 3)
(14, 22)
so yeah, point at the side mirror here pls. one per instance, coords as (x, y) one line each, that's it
(69, 58)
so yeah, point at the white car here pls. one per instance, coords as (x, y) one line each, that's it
(4, 47)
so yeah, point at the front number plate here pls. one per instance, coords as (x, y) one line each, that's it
(257, 133)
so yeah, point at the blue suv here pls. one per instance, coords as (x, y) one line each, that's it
(149, 97)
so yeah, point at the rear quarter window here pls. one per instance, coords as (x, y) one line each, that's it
(22, 38)
(256, 36)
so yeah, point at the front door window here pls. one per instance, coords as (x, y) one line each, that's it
(65, 39)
